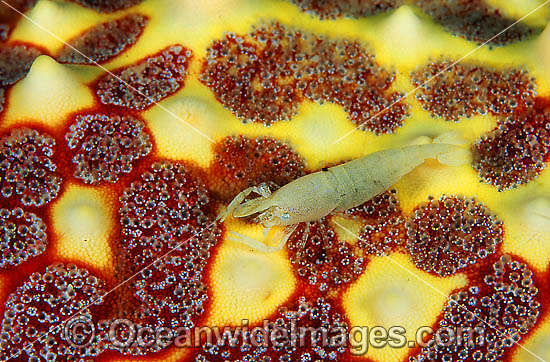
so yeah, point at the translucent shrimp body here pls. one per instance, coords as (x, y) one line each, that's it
(338, 188)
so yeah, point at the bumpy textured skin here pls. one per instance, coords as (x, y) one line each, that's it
(108, 209)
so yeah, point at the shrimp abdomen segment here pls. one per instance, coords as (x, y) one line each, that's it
(373, 174)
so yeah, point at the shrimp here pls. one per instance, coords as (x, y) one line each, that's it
(336, 189)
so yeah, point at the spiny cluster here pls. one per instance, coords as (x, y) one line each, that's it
(303, 331)
(22, 236)
(107, 6)
(489, 318)
(166, 212)
(383, 223)
(265, 75)
(150, 80)
(332, 9)
(36, 316)
(103, 41)
(516, 151)
(106, 146)
(474, 20)
(26, 167)
(463, 90)
(449, 234)
(320, 258)
(15, 62)
(241, 162)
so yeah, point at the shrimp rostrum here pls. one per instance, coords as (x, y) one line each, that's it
(337, 188)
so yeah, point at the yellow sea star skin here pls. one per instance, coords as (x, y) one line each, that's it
(187, 72)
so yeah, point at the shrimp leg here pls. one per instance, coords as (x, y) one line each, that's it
(262, 190)
(255, 244)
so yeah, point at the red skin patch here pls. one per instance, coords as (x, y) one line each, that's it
(148, 81)
(241, 162)
(104, 146)
(452, 233)
(45, 304)
(265, 75)
(516, 151)
(104, 41)
(458, 91)
(502, 309)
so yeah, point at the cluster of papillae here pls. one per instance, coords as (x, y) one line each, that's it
(331, 9)
(516, 151)
(103, 41)
(321, 259)
(473, 20)
(265, 75)
(150, 80)
(383, 222)
(22, 236)
(106, 146)
(108, 6)
(26, 167)
(454, 91)
(15, 62)
(448, 234)
(39, 316)
(304, 330)
(241, 162)
(167, 232)
(486, 319)
(476, 21)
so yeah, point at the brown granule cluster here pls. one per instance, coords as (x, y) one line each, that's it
(384, 223)
(449, 234)
(37, 312)
(301, 317)
(166, 212)
(265, 75)
(15, 62)
(463, 90)
(27, 171)
(150, 80)
(492, 316)
(322, 260)
(476, 21)
(516, 151)
(242, 162)
(104, 41)
(332, 9)
(104, 146)
(108, 6)
(22, 236)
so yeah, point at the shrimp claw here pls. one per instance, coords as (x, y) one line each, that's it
(262, 190)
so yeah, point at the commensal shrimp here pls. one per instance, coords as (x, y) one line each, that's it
(337, 188)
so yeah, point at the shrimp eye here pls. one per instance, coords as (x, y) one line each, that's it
(285, 216)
